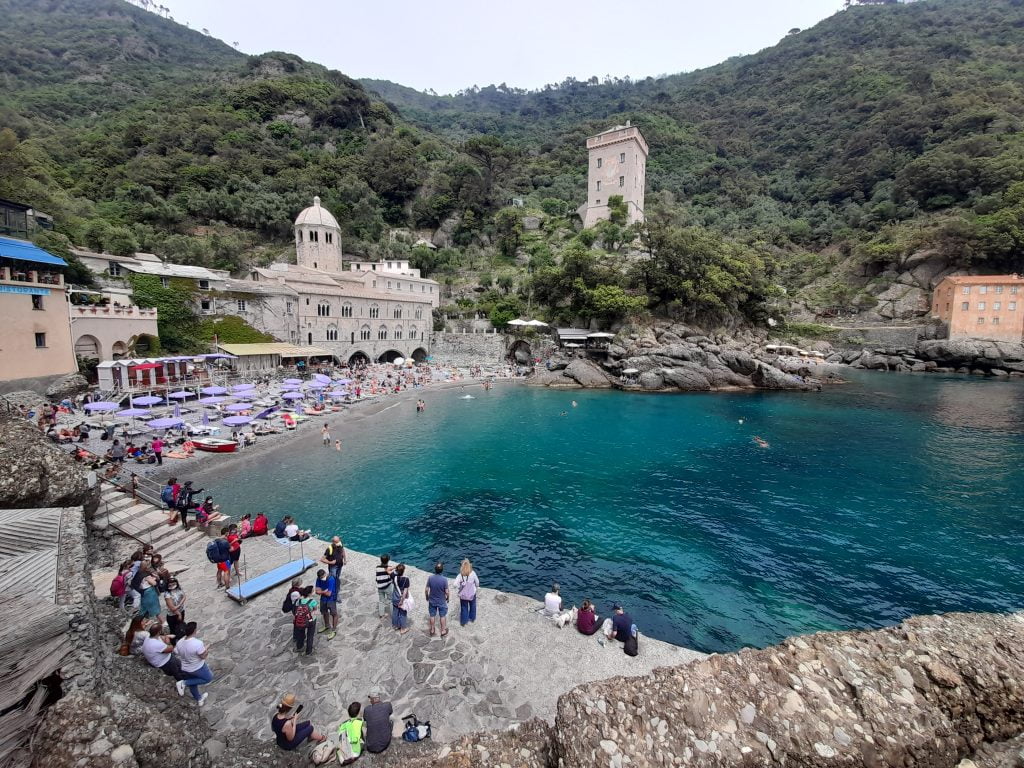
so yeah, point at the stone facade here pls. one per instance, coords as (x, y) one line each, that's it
(36, 339)
(105, 333)
(469, 349)
(617, 165)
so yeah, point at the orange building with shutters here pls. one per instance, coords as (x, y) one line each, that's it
(981, 306)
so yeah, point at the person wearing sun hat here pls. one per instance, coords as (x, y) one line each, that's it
(288, 731)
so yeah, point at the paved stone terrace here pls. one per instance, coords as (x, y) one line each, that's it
(507, 667)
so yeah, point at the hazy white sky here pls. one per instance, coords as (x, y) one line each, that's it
(448, 45)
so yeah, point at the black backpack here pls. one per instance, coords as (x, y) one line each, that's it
(631, 647)
(217, 551)
(288, 606)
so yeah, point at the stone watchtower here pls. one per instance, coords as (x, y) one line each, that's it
(318, 239)
(617, 166)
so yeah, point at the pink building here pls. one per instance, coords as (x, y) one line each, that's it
(617, 165)
(981, 306)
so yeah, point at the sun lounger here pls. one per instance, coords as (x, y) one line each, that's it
(255, 586)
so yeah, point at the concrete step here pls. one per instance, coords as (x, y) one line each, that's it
(183, 542)
(127, 514)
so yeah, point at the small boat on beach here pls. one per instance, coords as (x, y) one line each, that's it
(214, 444)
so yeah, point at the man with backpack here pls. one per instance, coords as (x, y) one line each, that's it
(218, 552)
(304, 620)
(185, 503)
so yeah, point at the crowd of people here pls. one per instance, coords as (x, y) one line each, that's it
(618, 626)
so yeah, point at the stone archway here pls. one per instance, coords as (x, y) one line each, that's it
(118, 350)
(419, 355)
(390, 356)
(358, 358)
(145, 344)
(520, 353)
(88, 347)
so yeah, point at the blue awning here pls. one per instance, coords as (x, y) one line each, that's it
(25, 251)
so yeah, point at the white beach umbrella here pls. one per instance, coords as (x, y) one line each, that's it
(517, 322)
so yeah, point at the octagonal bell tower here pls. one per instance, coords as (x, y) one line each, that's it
(318, 239)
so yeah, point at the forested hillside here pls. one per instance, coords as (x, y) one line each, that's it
(880, 131)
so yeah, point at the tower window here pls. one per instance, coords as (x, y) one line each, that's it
(599, 186)
(599, 162)
(622, 157)
(622, 181)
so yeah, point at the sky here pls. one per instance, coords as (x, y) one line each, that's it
(448, 45)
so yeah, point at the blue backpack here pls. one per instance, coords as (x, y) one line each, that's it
(167, 495)
(217, 551)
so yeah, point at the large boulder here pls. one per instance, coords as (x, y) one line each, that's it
(928, 692)
(37, 473)
(652, 380)
(67, 386)
(738, 361)
(769, 377)
(587, 374)
(688, 377)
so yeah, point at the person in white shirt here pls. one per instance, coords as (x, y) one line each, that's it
(192, 653)
(553, 602)
(159, 652)
(293, 533)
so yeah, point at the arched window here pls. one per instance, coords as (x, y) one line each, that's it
(382, 332)
(412, 332)
(364, 333)
(419, 313)
(323, 309)
(332, 333)
(398, 313)
(309, 337)
(398, 332)
(374, 311)
(346, 309)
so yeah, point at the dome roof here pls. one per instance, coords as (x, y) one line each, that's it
(315, 216)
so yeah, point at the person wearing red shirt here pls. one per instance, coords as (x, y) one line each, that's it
(259, 525)
(234, 548)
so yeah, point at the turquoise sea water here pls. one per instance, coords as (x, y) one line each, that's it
(890, 496)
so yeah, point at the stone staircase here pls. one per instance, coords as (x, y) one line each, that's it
(147, 523)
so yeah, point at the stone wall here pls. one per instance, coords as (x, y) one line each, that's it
(75, 595)
(884, 336)
(467, 349)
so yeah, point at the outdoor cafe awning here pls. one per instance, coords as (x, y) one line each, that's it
(26, 251)
(272, 348)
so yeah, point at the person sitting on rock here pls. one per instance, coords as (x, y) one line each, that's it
(587, 619)
(621, 624)
(553, 602)
(377, 717)
(289, 733)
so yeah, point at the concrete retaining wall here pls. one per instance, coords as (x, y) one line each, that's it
(467, 349)
(881, 336)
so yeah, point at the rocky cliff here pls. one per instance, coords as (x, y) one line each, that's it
(992, 358)
(669, 357)
(37, 473)
(933, 691)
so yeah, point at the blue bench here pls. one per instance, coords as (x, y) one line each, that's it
(260, 584)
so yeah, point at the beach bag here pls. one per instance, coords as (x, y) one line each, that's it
(303, 615)
(407, 605)
(414, 729)
(323, 752)
(467, 590)
(118, 585)
(217, 551)
(631, 647)
(167, 496)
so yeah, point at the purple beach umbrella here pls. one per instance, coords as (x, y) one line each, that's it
(147, 400)
(133, 412)
(164, 423)
(265, 414)
(214, 390)
(182, 395)
(293, 395)
(102, 406)
(177, 411)
(211, 400)
(321, 378)
(237, 421)
(316, 385)
(293, 381)
(235, 407)
(344, 381)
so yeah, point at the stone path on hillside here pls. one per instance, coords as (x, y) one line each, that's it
(509, 666)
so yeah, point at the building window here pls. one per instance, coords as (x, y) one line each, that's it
(398, 332)
(398, 313)
(398, 286)
(412, 332)
(165, 282)
(965, 290)
(364, 333)
(323, 309)
(419, 313)
(599, 186)
(431, 289)
(389, 285)
(374, 311)
(1013, 289)
(374, 283)
(999, 289)
(37, 302)
(204, 285)
(346, 310)
(423, 289)
(329, 237)
(288, 308)
(113, 269)
(981, 321)
(622, 157)
(332, 334)
(599, 161)
(307, 301)
(1012, 306)
(598, 202)
(981, 306)
(996, 306)
(40, 339)
(995, 321)
(241, 305)
(373, 267)
(204, 305)
(982, 289)
(966, 305)
(622, 181)
(382, 332)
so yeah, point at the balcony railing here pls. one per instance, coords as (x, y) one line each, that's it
(90, 310)
(37, 277)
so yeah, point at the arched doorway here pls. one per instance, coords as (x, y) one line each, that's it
(88, 348)
(419, 354)
(520, 352)
(145, 345)
(390, 356)
(358, 358)
(119, 350)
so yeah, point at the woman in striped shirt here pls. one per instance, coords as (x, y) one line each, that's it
(383, 578)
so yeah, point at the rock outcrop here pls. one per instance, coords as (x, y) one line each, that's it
(928, 692)
(996, 358)
(37, 473)
(67, 386)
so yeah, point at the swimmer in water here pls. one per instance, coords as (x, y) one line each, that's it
(573, 403)
(467, 397)
(761, 441)
(741, 421)
(564, 413)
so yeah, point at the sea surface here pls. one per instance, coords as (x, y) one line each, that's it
(890, 496)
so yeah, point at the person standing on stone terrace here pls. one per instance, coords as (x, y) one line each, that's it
(224, 566)
(383, 578)
(158, 450)
(234, 548)
(192, 653)
(378, 723)
(304, 620)
(436, 595)
(399, 594)
(334, 557)
(326, 589)
(467, 584)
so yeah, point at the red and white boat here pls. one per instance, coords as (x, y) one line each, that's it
(214, 444)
